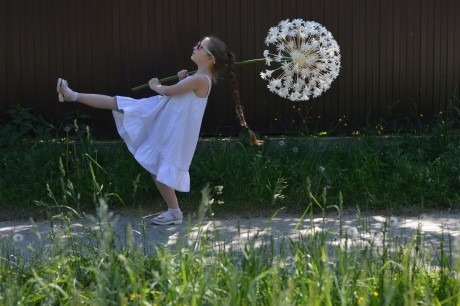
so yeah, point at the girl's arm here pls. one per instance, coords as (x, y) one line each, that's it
(187, 85)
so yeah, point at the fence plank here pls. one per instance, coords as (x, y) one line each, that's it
(452, 39)
(3, 58)
(13, 57)
(456, 67)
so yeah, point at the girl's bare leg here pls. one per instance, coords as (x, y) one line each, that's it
(98, 101)
(168, 194)
(93, 100)
(174, 214)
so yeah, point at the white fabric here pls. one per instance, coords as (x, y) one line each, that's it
(162, 133)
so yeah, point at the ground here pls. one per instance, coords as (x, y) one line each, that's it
(437, 228)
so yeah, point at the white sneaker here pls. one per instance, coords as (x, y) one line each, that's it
(65, 94)
(167, 218)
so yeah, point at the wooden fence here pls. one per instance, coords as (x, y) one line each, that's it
(400, 58)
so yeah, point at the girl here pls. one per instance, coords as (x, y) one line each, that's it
(162, 131)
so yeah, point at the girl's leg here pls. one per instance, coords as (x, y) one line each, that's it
(168, 194)
(97, 101)
(174, 214)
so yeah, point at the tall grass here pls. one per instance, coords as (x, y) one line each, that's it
(90, 266)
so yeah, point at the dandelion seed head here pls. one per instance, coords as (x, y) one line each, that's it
(281, 143)
(279, 58)
(393, 221)
(295, 96)
(456, 245)
(18, 238)
(305, 50)
(352, 232)
(268, 73)
(219, 189)
(295, 150)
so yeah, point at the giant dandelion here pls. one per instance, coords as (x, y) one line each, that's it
(307, 56)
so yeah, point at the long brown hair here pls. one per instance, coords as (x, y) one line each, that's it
(225, 59)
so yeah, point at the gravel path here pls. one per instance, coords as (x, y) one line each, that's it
(437, 229)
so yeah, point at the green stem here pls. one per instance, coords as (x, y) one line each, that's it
(144, 86)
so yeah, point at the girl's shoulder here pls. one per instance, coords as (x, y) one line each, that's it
(205, 85)
(203, 76)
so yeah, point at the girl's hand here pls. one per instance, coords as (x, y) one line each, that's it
(154, 83)
(182, 74)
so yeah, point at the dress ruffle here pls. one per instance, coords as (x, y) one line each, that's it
(165, 172)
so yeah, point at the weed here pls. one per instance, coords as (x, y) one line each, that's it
(20, 123)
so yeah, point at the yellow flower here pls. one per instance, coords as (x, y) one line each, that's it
(375, 293)
(134, 296)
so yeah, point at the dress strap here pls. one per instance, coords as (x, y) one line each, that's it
(210, 84)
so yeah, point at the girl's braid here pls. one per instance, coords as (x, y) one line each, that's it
(237, 99)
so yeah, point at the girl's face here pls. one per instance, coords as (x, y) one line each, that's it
(201, 53)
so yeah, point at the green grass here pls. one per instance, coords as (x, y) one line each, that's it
(415, 169)
(394, 173)
(65, 269)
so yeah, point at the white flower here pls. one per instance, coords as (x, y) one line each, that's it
(268, 60)
(306, 52)
(18, 238)
(269, 73)
(295, 96)
(219, 189)
(352, 232)
(321, 169)
(393, 221)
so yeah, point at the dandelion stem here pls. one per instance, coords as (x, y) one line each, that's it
(170, 78)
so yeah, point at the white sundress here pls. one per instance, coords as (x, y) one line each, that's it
(162, 133)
